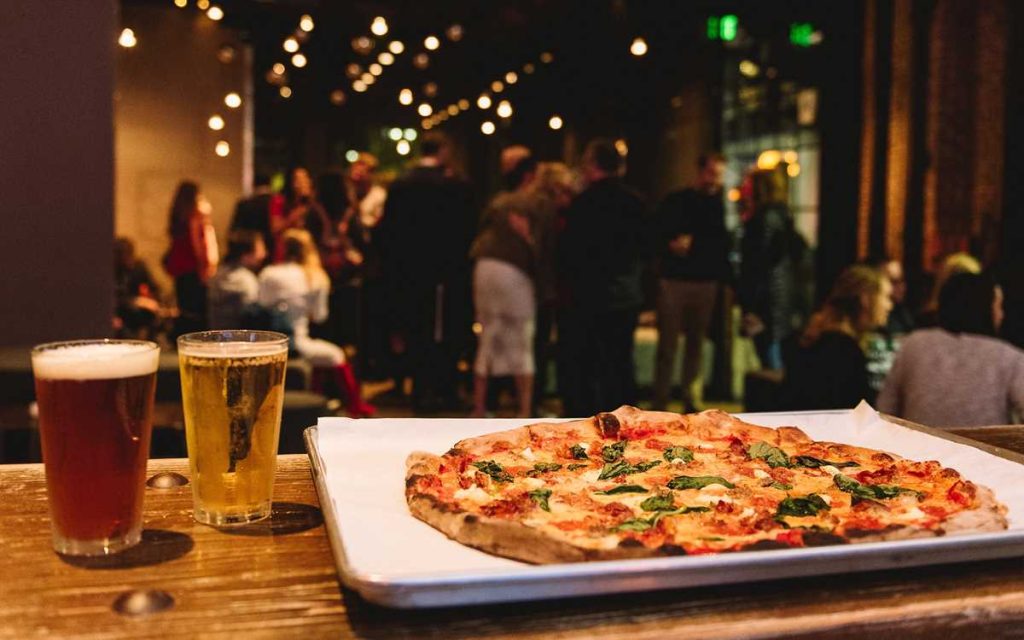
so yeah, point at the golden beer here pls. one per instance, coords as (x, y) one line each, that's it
(232, 387)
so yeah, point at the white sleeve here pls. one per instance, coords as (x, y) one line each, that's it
(267, 290)
(318, 306)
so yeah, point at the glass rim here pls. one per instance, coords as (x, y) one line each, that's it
(82, 342)
(214, 337)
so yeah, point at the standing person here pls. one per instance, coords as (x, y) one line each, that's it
(600, 252)
(505, 300)
(253, 213)
(342, 259)
(828, 370)
(234, 288)
(692, 250)
(367, 196)
(771, 250)
(192, 258)
(425, 235)
(298, 209)
(300, 286)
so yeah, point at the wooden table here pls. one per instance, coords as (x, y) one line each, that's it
(279, 580)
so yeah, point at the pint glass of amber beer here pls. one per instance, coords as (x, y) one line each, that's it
(232, 388)
(95, 418)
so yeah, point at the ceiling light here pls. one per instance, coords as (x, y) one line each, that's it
(555, 122)
(487, 127)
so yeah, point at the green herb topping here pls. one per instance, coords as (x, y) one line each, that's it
(578, 452)
(814, 463)
(660, 502)
(540, 496)
(577, 465)
(643, 524)
(613, 452)
(622, 488)
(698, 482)
(871, 491)
(493, 469)
(781, 486)
(802, 507)
(622, 468)
(774, 456)
(678, 453)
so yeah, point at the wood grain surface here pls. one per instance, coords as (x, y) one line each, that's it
(278, 579)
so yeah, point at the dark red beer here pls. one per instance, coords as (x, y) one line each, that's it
(95, 420)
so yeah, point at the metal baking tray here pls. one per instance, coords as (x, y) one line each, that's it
(515, 581)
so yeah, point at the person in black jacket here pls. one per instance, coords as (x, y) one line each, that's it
(828, 368)
(253, 213)
(425, 234)
(693, 258)
(600, 254)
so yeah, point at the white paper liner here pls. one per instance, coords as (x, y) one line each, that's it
(364, 462)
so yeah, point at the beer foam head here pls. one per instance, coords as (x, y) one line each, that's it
(95, 360)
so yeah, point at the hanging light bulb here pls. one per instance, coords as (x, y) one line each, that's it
(638, 47)
(127, 39)
(487, 127)
(337, 97)
(215, 13)
(222, 148)
(497, 86)
(421, 61)
(511, 77)
(484, 101)
(405, 97)
(181, 4)
(306, 23)
(529, 68)
(359, 86)
(353, 70)
(453, 110)
(409, 134)
(386, 58)
(424, 110)
(215, 122)
(555, 122)
(430, 89)
(431, 43)
(454, 32)
(299, 60)
(362, 45)
(291, 45)
(233, 100)
(463, 104)
(278, 69)
(379, 27)
(375, 69)
(202, 5)
(403, 147)
(396, 47)
(285, 91)
(504, 109)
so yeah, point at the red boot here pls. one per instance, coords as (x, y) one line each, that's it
(356, 406)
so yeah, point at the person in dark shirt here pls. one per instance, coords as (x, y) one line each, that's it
(138, 311)
(253, 213)
(828, 369)
(692, 251)
(425, 234)
(600, 253)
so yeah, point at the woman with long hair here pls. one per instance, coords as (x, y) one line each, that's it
(959, 374)
(828, 368)
(299, 287)
(298, 208)
(192, 258)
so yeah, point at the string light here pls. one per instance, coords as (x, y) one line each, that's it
(403, 147)
(285, 91)
(222, 148)
(362, 45)
(528, 68)
(484, 101)
(487, 127)
(376, 69)
(405, 97)
(555, 122)
(430, 89)
(396, 47)
(215, 13)
(511, 77)
(385, 58)
(291, 45)
(215, 122)
(278, 69)
(504, 109)
(463, 104)
(409, 134)
(379, 27)
(202, 5)
(338, 97)
(299, 60)
(793, 170)
(426, 124)
(233, 100)
(638, 47)
(359, 86)
(351, 155)
(421, 61)
(127, 39)
(454, 32)
(353, 70)
(547, 57)
(497, 86)
(181, 4)
(306, 23)
(431, 43)
(790, 157)
(453, 110)
(424, 110)
(368, 78)
(395, 134)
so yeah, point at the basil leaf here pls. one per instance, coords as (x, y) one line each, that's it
(781, 486)
(698, 482)
(622, 468)
(661, 502)
(712, 539)
(871, 491)
(622, 488)
(578, 452)
(677, 512)
(634, 524)
(545, 467)
(577, 465)
(614, 452)
(802, 507)
(493, 469)
(678, 453)
(643, 524)
(540, 496)
(774, 456)
(814, 463)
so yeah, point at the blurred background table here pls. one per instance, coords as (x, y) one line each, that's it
(278, 579)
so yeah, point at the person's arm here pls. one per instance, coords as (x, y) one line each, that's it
(266, 293)
(318, 310)
(197, 241)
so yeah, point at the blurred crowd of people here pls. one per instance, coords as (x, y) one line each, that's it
(422, 282)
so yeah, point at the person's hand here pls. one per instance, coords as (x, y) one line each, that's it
(353, 257)
(681, 244)
(149, 304)
(751, 324)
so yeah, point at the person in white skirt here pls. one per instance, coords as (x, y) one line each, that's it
(505, 300)
(299, 287)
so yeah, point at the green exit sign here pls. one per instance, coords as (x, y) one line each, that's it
(801, 34)
(723, 27)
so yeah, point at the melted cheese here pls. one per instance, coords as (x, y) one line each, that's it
(473, 494)
(533, 483)
(758, 473)
(529, 455)
(830, 470)
(590, 476)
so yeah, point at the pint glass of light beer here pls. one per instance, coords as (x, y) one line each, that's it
(232, 388)
(95, 418)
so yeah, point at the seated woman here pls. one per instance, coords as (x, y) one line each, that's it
(828, 369)
(958, 374)
(234, 288)
(299, 286)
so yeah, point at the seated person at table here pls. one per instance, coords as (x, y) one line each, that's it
(958, 374)
(299, 286)
(138, 313)
(828, 369)
(234, 289)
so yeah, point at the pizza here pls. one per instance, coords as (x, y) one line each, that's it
(633, 483)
